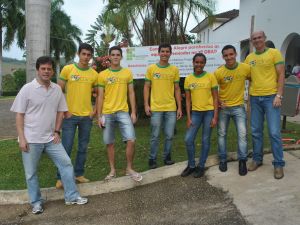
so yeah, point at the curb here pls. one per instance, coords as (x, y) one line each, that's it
(118, 184)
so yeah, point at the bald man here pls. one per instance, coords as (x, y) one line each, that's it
(266, 89)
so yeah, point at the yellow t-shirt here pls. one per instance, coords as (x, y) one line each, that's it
(263, 73)
(232, 83)
(200, 87)
(79, 85)
(162, 80)
(115, 84)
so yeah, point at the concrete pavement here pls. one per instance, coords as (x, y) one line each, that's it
(261, 199)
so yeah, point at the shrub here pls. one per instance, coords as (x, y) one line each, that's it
(19, 78)
(8, 83)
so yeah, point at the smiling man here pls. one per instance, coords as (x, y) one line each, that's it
(115, 84)
(162, 80)
(39, 108)
(78, 80)
(231, 79)
(267, 81)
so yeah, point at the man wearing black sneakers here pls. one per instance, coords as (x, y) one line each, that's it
(162, 89)
(231, 79)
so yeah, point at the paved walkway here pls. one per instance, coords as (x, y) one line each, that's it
(261, 199)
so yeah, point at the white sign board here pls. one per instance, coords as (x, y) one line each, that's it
(139, 58)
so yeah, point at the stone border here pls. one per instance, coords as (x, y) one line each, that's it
(118, 184)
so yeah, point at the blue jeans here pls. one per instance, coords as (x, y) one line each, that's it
(125, 125)
(199, 118)
(260, 106)
(84, 124)
(58, 155)
(168, 121)
(238, 114)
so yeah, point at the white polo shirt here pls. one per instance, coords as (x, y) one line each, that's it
(40, 106)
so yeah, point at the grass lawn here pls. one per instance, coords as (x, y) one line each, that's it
(11, 168)
(7, 97)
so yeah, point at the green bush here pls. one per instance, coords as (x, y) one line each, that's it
(8, 83)
(19, 78)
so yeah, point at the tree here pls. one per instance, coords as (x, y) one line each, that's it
(63, 34)
(37, 33)
(100, 36)
(12, 25)
(161, 20)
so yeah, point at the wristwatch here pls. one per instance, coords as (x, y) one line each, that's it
(279, 96)
(57, 131)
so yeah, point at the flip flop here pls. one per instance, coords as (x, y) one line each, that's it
(135, 176)
(110, 177)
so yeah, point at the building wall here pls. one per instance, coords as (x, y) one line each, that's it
(205, 35)
(276, 17)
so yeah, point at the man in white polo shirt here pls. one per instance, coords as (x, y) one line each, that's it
(39, 108)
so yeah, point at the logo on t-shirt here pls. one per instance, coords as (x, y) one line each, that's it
(228, 79)
(193, 86)
(252, 63)
(111, 80)
(156, 76)
(75, 77)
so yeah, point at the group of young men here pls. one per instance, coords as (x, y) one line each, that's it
(42, 111)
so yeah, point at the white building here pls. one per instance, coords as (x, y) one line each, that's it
(279, 19)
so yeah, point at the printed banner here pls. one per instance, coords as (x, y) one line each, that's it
(139, 58)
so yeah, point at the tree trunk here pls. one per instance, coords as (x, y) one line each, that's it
(37, 33)
(1, 46)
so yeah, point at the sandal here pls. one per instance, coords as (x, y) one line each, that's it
(135, 176)
(110, 177)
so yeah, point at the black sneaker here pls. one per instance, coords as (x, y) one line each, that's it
(199, 172)
(223, 166)
(242, 167)
(187, 171)
(152, 164)
(168, 162)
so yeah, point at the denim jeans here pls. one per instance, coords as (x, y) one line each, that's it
(58, 155)
(125, 125)
(84, 124)
(199, 118)
(260, 106)
(238, 114)
(168, 121)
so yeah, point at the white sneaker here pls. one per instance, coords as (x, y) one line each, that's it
(37, 209)
(78, 201)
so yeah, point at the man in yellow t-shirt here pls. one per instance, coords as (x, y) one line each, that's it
(162, 80)
(231, 79)
(267, 81)
(114, 84)
(78, 80)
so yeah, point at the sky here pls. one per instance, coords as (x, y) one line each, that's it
(84, 13)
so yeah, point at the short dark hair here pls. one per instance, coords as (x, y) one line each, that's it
(199, 55)
(44, 60)
(85, 46)
(226, 47)
(164, 46)
(115, 48)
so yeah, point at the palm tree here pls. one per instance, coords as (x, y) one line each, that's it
(12, 23)
(100, 36)
(63, 34)
(37, 33)
(167, 19)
